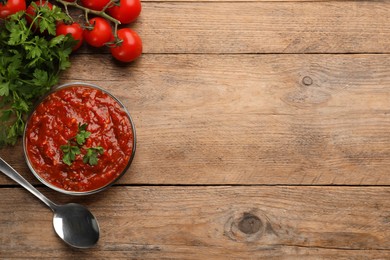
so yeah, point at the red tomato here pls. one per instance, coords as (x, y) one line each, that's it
(11, 7)
(30, 12)
(97, 5)
(100, 34)
(74, 30)
(126, 12)
(130, 48)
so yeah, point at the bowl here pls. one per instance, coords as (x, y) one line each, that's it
(79, 139)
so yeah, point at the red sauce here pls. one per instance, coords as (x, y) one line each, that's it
(56, 120)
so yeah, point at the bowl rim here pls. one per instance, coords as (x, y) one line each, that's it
(79, 193)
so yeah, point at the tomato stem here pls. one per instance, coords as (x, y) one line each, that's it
(86, 17)
(90, 11)
(68, 14)
(116, 32)
(111, 3)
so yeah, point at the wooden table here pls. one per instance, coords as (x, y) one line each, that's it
(263, 132)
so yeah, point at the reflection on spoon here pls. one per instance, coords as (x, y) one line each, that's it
(72, 222)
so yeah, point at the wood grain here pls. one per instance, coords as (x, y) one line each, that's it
(249, 119)
(209, 222)
(286, 101)
(265, 27)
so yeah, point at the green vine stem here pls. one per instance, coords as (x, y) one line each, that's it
(88, 11)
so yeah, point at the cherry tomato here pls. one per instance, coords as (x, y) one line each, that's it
(11, 7)
(97, 5)
(100, 34)
(30, 12)
(126, 12)
(130, 48)
(74, 30)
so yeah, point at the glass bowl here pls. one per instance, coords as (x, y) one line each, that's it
(79, 139)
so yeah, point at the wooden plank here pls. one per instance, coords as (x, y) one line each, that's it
(209, 222)
(249, 119)
(265, 27)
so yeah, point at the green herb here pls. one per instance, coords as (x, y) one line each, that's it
(82, 134)
(46, 17)
(92, 154)
(75, 145)
(30, 65)
(70, 153)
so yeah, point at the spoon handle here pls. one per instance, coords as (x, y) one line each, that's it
(14, 175)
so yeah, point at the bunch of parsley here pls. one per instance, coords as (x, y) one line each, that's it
(31, 59)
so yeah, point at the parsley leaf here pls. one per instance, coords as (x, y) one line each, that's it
(82, 134)
(5, 115)
(70, 153)
(4, 89)
(91, 157)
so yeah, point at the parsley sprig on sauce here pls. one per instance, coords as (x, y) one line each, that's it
(75, 146)
(91, 156)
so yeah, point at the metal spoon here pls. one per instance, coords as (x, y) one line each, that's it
(72, 222)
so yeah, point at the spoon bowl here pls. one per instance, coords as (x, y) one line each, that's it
(72, 222)
(76, 225)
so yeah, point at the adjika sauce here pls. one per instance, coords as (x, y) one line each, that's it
(55, 123)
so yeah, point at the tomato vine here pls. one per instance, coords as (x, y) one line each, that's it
(32, 35)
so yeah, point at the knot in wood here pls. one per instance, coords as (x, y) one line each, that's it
(307, 81)
(250, 224)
